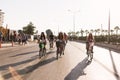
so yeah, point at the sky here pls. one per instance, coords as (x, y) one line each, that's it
(55, 14)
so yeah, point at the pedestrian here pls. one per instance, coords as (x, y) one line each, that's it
(19, 38)
(0, 36)
(23, 39)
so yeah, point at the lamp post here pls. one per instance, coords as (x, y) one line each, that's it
(74, 13)
(109, 28)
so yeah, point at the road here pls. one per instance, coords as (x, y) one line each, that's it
(70, 66)
(18, 57)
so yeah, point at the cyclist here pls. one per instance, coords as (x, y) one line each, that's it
(89, 42)
(42, 39)
(60, 43)
(65, 37)
(51, 39)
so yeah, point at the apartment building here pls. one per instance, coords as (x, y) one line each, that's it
(1, 17)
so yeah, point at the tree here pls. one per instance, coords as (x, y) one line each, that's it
(106, 31)
(77, 33)
(87, 32)
(29, 29)
(98, 31)
(69, 33)
(92, 31)
(95, 31)
(103, 32)
(111, 32)
(81, 32)
(116, 29)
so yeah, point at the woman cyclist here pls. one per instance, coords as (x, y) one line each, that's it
(42, 42)
(51, 40)
(89, 46)
(60, 44)
(89, 41)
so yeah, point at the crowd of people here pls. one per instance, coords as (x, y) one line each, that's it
(61, 41)
(21, 38)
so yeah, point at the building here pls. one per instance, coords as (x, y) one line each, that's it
(1, 18)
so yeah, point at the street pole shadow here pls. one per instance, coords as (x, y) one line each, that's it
(77, 71)
(115, 73)
(114, 66)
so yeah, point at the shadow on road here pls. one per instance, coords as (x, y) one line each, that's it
(114, 67)
(24, 53)
(77, 71)
(41, 63)
(50, 52)
(5, 67)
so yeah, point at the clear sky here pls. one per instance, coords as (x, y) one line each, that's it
(54, 14)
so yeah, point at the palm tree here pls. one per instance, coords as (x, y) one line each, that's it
(116, 29)
(69, 33)
(103, 32)
(95, 31)
(77, 33)
(86, 31)
(106, 31)
(98, 31)
(111, 32)
(92, 31)
(81, 31)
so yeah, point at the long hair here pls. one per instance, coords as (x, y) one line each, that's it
(90, 37)
(42, 35)
(60, 36)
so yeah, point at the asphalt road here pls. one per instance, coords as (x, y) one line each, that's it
(73, 65)
(70, 66)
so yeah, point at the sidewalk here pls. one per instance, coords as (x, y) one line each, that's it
(10, 45)
(6, 45)
(115, 48)
(111, 46)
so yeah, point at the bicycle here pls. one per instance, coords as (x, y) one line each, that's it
(42, 51)
(60, 48)
(90, 52)
(51, 43)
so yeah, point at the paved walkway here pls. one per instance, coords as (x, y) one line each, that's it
(113, 47)
(10, 45)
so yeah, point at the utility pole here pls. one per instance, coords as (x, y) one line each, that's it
(109, 27)
(74, 13)
(101, 30)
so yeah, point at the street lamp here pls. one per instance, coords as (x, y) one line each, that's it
(109, 28)
(74, 13)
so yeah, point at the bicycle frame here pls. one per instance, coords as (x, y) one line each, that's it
(90, 54)
(60, 48)
(42, 51)
(51, 43)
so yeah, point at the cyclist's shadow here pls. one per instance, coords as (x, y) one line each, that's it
(77, 71)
